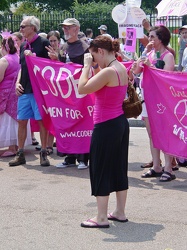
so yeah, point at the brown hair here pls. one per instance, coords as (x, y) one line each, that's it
(8, 44)
(18, 35)
(53, 33)
(103, 42)
(163, 34)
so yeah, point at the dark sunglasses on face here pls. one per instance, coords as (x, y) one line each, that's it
(23, 26)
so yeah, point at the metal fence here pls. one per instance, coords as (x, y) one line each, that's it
(49, 22)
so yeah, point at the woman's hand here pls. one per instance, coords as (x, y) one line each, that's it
(53, 55)
(19, 89)
(144, 61)
(88, 60)
(150, 46)
(29, 53)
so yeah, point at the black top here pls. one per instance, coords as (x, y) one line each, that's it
(38, 47)
(76, 51)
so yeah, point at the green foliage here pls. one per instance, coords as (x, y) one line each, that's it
(5, 4)
(27, 8)
(93, 7)
(52, 5)
(149, 6)
(96, 14)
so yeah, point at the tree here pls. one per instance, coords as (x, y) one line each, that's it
(54, 5)
(149, 6)
(5, 4)
(27, 8)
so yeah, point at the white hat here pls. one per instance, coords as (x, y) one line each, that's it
(102, 27)
(70, 21)
(183, 27)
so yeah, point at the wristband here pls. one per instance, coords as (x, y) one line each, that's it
(96, 66)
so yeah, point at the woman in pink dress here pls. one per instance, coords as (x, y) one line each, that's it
(9, 65)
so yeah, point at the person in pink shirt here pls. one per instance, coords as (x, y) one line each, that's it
(110, 138)
(9, 67)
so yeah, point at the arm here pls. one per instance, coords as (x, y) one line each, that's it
(143, 60)
(98, 81)
(179, 40)
(184, 59)
(144, 40)
(3, 67)
(19, 88)
(169, 62)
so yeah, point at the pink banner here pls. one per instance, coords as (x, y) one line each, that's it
(166, 100)
(66, 113)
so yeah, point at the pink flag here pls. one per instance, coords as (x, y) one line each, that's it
(66, 113)
(166, 100)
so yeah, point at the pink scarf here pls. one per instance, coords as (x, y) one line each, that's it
(28, 44)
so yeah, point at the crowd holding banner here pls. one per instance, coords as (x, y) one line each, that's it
(55, 87)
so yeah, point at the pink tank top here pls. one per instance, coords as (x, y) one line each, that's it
(108, 102)
(152, 60)
(8, 97)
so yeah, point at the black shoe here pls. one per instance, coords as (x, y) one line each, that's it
(34, 141)
(18, 160)
(38, 148)
(44, 162)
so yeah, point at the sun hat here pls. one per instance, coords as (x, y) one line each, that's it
(183, 27)
(102, 27)
(70, 21)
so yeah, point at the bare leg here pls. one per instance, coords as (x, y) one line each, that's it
(22, 133)
(102, 208)
(43, 135)
(32, 135)
(168, 163)
(154, 151)
(13, 148)
(50, 140)
(121, 198)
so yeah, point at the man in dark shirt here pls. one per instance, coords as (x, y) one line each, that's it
(75, 50)
(27, 106)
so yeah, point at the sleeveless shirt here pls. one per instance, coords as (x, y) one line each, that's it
(108, 102)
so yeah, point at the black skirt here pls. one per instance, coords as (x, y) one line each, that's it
(109, 156)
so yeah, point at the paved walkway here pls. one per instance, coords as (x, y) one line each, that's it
(42, 208)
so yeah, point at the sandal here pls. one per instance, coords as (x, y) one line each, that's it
(34, 141)
(8, 154)
(149, 165)
(175, 168)
(38, 148)
(151, 173)
(166, 176)
(49, 150)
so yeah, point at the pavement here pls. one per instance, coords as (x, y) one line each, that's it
(42, 207)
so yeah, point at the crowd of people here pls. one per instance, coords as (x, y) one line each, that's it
(108, 156)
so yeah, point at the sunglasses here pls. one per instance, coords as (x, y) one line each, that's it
(24, 26)
(68, 27)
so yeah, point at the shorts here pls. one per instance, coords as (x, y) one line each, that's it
(28, 108)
